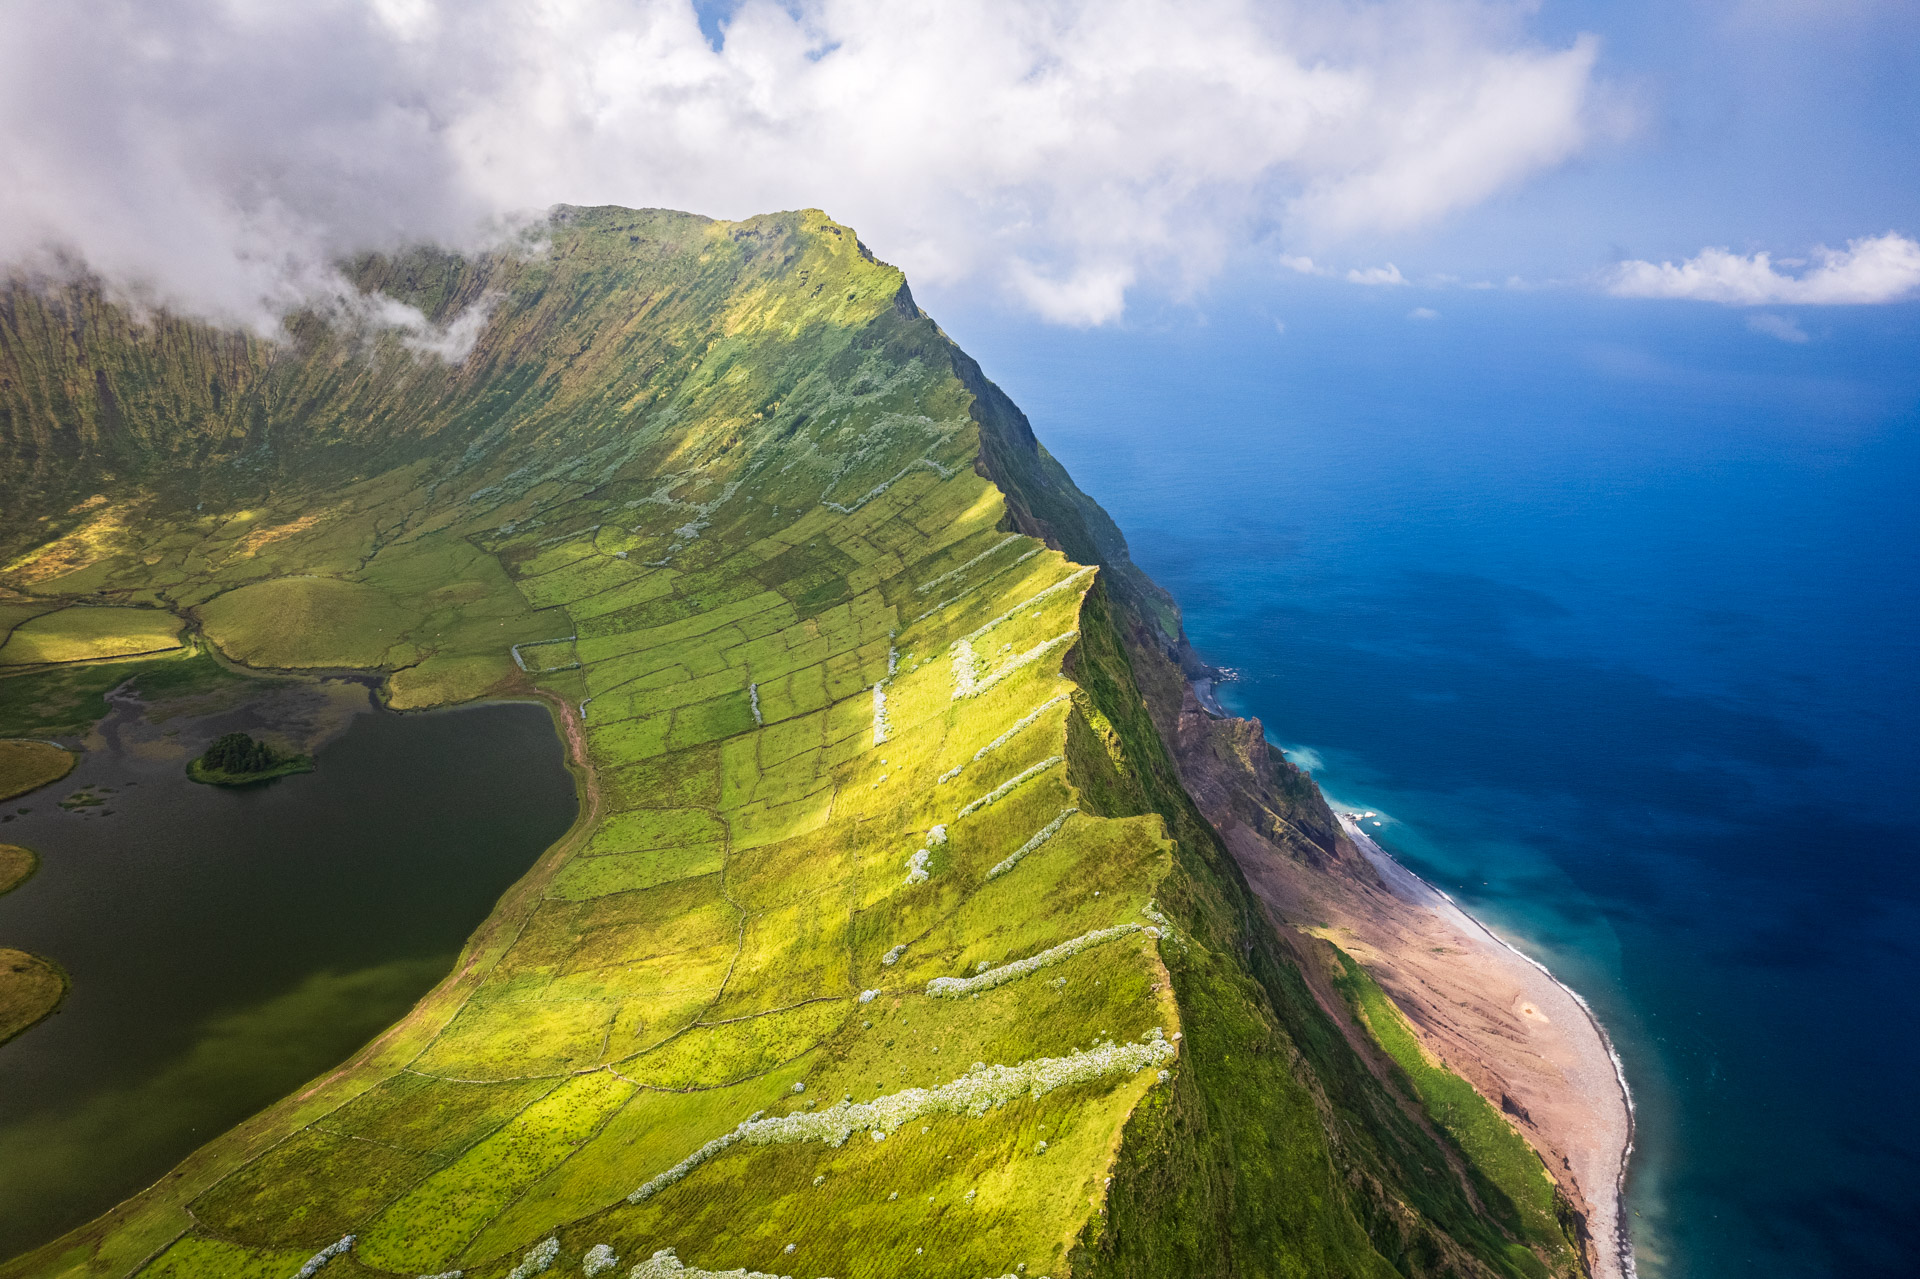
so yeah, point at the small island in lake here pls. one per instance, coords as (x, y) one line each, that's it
(237, 759)
(31, 987)
(17, 865)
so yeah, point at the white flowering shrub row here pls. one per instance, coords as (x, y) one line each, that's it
(892, 957)
(599, 1260)
(335, 1249)
(539, 1259)
(966, 670)
(882, 727)
(1025, 721)
(664, 1265)
(950, 774)
(950, 574)
(936, 835)
(1040, 837)
(954, 987)
(1031, 600)
(1006, 788)
(981, 1089)
(753, 699)
(917, 868)
(1025, 659)
(955, 599)
(886, 484)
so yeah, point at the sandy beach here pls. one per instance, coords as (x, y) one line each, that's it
(1505, 1022)
(1494, 1016)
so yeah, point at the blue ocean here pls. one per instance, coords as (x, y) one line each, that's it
(1610, 610)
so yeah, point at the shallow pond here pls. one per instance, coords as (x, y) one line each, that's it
(228, 945)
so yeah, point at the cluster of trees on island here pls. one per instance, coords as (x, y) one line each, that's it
(238, 757)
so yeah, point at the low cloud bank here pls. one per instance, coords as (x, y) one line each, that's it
(218, 156)
(1881, 268)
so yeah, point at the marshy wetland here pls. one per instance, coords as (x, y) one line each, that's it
(227, 944)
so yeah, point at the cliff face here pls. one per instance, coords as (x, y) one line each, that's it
(898, 934)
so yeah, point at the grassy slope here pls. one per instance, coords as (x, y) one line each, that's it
(742, 481)
(29, 765)
(30, 988)
(1512, 1179)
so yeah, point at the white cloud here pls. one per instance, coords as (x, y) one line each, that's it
(219, 154)
(1881, 268)
(1777, 326)
(1388, 274)
(1423, 313)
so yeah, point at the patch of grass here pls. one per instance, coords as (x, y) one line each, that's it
(437, 1117)
(197, 1257)
(30, 988)
(82, 634)
(17, 865)
(295, 622)
(447, 681)
(27, 766)
(430, 1226)
(309, 1190)
(1513, 1180)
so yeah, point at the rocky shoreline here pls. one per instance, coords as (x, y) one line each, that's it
(1526, 1042)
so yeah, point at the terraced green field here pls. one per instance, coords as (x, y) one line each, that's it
(886, 944)
(85, 634)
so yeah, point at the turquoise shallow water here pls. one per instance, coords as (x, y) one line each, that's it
(1610, 610)
(226, 946)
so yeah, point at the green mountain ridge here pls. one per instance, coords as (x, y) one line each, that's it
(888, 942)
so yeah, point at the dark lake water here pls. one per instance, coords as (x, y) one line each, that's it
(1613, 609)
(228, 945)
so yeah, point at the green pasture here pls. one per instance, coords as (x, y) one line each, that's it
(80, 634)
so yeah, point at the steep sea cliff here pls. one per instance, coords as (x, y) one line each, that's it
(869, 706)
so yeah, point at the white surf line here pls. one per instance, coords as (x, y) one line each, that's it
(980, 1090)
(1025, 721)
(1391, 867)
(951, 600)
(1000, 792)
(954, 987)
(924, 587)
(1040, 837)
